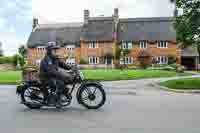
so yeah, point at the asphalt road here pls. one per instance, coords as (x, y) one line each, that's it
(150, 110)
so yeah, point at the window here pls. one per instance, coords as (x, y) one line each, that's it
(40, 51)
(93, 45)
(93, 60)
(162, 60)
(126, 45)
(126, 60)
(70, 61)
(70, 47)
(162, 44)
(143, 44)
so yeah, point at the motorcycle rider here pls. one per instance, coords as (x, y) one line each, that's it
(49, 72)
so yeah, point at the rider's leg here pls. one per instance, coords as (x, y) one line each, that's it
(45, 90)
(60, 85)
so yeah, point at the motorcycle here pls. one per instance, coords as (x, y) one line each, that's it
(90, 94)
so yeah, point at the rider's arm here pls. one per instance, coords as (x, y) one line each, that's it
(64, 65)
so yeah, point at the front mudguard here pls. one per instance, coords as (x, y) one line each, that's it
(24, 84)
(83, 85)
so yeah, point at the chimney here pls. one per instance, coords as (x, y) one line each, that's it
(86, 16)
(35, 22)
(116, 12)
(116, 21)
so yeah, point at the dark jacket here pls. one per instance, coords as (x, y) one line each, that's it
(49, 67)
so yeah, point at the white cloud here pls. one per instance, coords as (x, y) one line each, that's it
(9, 42)
(72, 10)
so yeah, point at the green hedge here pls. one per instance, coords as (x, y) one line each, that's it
(8, 59)
(83, 61)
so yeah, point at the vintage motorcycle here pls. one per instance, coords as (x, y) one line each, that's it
(90, 94)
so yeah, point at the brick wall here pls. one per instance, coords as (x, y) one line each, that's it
(153, 51)
(103, 48)
(35, 54)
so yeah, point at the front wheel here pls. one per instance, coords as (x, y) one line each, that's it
(92, 96)
(27, 97)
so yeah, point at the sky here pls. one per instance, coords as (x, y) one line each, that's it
(15, 23)
(16, 15)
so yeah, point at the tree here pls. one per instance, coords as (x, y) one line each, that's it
(144, 59)
(21, 56)
(124, 53)
(187, 24)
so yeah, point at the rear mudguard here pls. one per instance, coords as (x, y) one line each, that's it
(84, 84)
(25, 84)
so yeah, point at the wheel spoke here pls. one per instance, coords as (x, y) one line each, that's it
(94, 91)
(29, 91)
(88, 91)
(27, 95)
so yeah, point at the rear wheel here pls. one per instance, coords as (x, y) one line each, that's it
(27, 97)
(92, 96)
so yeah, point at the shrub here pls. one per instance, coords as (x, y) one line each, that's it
(145, 59)
(119, 66)
(83, 61)
(133, 67)
(143, 64)
(171, 59)
(15, 59)
(7, 59)
(180, 69)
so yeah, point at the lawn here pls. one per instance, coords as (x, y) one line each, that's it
(100, 74)
(10, 76)
(186, 84)
(115, 74)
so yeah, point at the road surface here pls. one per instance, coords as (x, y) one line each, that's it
(150, 110)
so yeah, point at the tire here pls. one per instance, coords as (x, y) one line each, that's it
(29, 105)
(100, 89)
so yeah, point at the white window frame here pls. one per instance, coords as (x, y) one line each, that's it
(126, 45)
(162, 60)
(93, 60)
(143, 44)
(162, 44)
(128, 60)
(93, 44)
